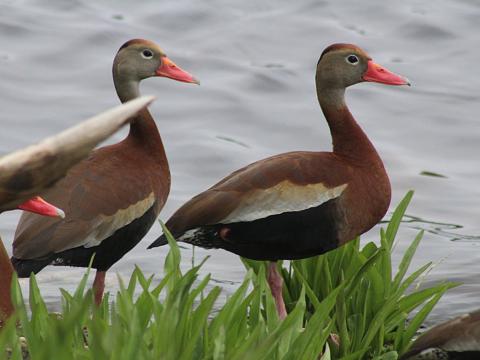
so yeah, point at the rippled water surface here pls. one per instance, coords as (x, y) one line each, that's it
(256, 62)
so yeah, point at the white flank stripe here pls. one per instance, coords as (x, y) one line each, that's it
(283, 197)
(188, 234)
(109, 224)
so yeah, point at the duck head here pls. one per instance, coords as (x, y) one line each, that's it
(139, 59)
(343, 65)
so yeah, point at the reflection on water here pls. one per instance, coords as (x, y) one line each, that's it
(229, 139)
(256, 61)
(439, 228)
(431, 173)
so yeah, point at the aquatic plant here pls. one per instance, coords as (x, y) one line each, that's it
(350, 292)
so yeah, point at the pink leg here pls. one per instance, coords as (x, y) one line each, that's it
(276, 283)
(99, 286)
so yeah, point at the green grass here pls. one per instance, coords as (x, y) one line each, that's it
(351, 292)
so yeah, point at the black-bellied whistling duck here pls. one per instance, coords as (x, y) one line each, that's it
(299, 204)
(112, 198)
(32, 170)
(458, 338)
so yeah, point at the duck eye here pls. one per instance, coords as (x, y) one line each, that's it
(147, 54)
(352, 59)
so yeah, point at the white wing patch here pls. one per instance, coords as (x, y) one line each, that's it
(281, 198)
(109, 224)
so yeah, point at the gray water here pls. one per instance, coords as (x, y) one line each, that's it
(256, 61)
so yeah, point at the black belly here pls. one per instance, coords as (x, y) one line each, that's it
(111, 249)
(463, 355)
(287, 236)
(107, 253)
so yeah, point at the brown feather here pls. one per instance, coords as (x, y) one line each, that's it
(6, 273)
(299, 168)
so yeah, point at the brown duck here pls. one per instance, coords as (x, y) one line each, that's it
(112, 198)
(299, 204)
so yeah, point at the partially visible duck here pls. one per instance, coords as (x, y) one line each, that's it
(299, 204)
(32, 170)
(36, 205)
(458, 338)
(112, 198)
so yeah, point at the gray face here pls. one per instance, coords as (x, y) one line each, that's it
(341, 68)
(137, 62)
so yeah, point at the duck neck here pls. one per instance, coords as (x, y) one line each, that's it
(127, 88)
(143, 130)
(348, 138)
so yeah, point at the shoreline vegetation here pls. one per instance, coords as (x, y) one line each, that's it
(347, 304)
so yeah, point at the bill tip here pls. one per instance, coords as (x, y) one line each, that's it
(60, 213)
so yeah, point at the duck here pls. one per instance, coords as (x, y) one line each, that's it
(113, 197)
(35, 205)
(458, 338)
(298, 204)
(34, 169)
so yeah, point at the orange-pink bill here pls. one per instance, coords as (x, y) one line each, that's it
(377, 73)
(170, 70)
(39, 206)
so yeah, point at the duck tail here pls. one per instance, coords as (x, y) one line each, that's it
(162, 240)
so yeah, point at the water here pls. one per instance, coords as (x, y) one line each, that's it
(256, 62)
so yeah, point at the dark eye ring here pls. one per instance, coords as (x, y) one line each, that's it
(147, 54)
(352, 59)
